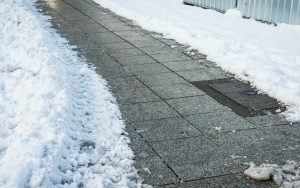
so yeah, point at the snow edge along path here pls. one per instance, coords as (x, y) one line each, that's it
(60, 125)
(267, 56)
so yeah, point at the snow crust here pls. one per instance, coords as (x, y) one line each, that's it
(265, 55)
(59, 124)
(286, 176)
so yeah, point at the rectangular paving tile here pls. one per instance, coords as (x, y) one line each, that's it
(185, 65)
(116, 46)
(176, 90)
(125, 52)
(146, 43)
(147, 69)
(115, 72)
(156, 50)
(228, 181)
(135, 95)
(196, 105)
(219, 121)
(106, 37)
(147, 111)
(155, 172)
(91, 28)
(116, 26)
(268, 120)
(170, 57)
(202, 74)
(161, 79)
(165, 129)
(135, 60)
(124, 83)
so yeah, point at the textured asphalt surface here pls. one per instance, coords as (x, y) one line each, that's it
(181, 136)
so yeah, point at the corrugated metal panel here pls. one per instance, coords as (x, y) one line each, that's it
(275, 11)
(221, 5)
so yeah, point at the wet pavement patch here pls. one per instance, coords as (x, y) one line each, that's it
(240, 97)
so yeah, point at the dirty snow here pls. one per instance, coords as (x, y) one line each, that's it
(265, 55)
(60, 126)
(286, 176)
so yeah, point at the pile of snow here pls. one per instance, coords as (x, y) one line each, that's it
(59, 124)
(286, 176)
(265, 55)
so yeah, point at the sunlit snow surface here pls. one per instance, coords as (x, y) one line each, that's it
(266, 55)
(59, 124)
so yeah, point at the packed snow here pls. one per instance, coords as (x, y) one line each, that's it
(286, 176)
(266, 55)
(60, 125)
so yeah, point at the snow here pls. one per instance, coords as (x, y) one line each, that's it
(60, 125)
(265, 55)
(286, 176)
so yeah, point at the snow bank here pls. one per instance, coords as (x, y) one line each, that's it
(263, 54)
(286, 176)
(59, 124)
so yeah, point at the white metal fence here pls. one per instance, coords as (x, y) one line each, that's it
(221, 5)
(273, 11)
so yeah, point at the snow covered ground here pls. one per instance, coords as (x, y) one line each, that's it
(265, 55)
(59, 124)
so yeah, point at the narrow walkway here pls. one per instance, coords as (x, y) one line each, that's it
(181, 137)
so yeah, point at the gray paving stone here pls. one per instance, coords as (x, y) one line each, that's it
(195, 105)
(200, 75)
(133, 33)
(227, 181)
(147, 111)
(102, 38)
(91, 28)
(156, 50)
(135, 95)
(115, 72)
(147, 69)
(268, 120)
(135, 60)
(116, 46)
(125, 52)
(165, 129)
(185, 65)
(116, 26)
(170, 57)
(177, 90)
(124, 83)
(74, 16)
(226, 121)
(155, 172)
(161, 79)
(146, 43)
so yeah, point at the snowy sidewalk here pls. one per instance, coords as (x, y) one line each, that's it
(181, 137)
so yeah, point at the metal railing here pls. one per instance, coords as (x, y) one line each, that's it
(273, 11)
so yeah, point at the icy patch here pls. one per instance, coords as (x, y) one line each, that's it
(286, 176)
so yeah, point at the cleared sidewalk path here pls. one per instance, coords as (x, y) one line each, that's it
(181, 136)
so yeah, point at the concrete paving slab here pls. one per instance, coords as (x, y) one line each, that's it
(102, 38)
(161, 79)
(135, 95)
(176, 90)
(135, 60)
(147, 69)
(156, 50)
(226, 181)
(185, 65)
(125, 52)
(116, 46)
(146, 43)
(165, 129)
(170, 57)
(124, 83)
(115, 72)
(226, 121)
(195, 105)
(200, 75)
(147, 111)
(268, 120)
